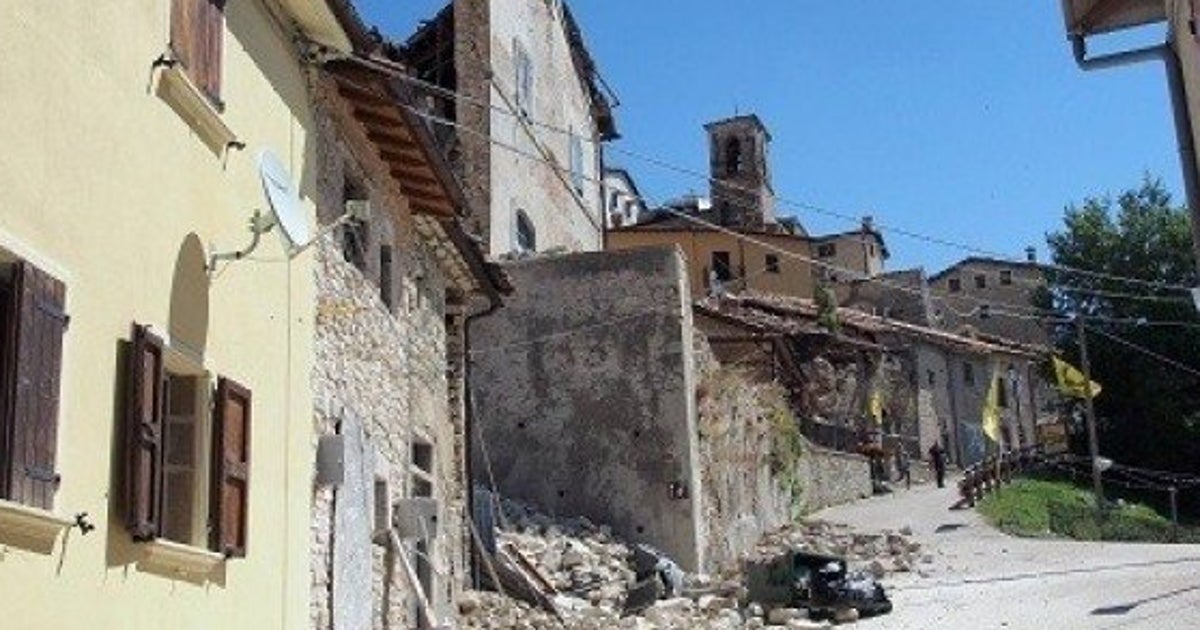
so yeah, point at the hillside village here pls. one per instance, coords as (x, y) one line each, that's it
(357, 332)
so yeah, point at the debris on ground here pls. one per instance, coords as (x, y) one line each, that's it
(598, 581)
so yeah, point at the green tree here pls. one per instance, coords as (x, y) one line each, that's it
(1149, 412)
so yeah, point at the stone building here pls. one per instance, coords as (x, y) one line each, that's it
(991, 296)
(932, 383)
(521, 92)
(395, 282)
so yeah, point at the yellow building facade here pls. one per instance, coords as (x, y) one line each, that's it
(129, 158)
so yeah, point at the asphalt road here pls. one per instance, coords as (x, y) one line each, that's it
(981, 578)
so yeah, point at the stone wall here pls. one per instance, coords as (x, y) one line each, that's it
(583, 392)
(379, 381)
(832, 478)
(759, 473)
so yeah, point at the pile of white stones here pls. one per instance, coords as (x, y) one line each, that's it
(591, 570)
(880, 554)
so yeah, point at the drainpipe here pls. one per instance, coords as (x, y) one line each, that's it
(469, 430)
(1179, 106)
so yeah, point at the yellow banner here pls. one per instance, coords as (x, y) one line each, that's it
(991, 407)
(1072, 382)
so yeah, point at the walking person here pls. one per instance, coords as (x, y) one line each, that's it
(937, 457)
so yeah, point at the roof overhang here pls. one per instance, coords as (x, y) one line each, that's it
(320, 21)
(400, 139)
(1093, 17)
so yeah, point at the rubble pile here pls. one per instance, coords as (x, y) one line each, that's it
(880, 554)
(593, 574)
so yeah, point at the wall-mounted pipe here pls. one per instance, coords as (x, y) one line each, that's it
(1179, 109)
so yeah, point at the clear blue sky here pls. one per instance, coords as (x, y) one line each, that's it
(966, 119)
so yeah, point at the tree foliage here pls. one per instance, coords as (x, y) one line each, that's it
(1149, 412)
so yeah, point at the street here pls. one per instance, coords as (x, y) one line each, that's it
(982, 578)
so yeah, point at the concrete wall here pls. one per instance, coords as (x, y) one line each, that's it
(380, 381)
(106, 187)
(583, 392)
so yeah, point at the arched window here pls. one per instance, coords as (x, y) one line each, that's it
(526, 233)
(733, 155)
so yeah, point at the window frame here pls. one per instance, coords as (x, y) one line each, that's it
(826, 250)
(721, 260)
(954, 285)
(1006, 277)
(523, 88)
(771, 263)
(981, 281)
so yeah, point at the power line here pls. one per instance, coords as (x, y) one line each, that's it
(767, 246)
(1146, 351)
(799, 205)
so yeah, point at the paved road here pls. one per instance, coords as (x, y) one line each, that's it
(982, 578)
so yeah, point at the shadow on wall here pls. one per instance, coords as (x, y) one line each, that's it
(188, 319)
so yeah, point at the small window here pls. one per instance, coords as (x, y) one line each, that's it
(385, 275)
(721, 266)
(980, 281)
(954, 284)
(524, 79)
(1006, 277)
(985, 311)
(871, 250)
(772, 263)
(827, 250)
(197, 36)
(613, 201)
(183, 474)
(968, 374)
(930, 377)
(355, 235)
(32, 325)
(1002, 392)
(577, 174)
(526, 234)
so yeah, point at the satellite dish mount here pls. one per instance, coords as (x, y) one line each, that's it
(286, 212)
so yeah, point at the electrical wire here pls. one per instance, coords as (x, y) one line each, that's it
(1146, 351)
(799, 205)
(738, 235)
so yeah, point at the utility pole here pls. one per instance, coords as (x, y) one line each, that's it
(1093, 442)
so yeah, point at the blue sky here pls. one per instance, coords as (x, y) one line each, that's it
(966, 120)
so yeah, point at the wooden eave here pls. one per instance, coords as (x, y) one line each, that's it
(1093, 17)
(400, 140)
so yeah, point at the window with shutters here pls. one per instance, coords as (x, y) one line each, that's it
(187, 451)
(524, 79)
(197, 40)
(32, 325)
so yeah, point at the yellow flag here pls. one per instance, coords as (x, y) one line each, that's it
(991, 408)
(876, 406)
(1072, 382)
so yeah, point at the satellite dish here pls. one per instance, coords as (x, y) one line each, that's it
(285, 212)
(284, 200)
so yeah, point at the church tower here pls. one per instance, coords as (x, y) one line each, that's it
(742, 196)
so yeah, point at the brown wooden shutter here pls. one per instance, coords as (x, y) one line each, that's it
(197, 39)
(36, 359)
(230, 469)
(144, 435)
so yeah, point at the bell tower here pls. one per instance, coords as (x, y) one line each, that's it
(741, 191)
